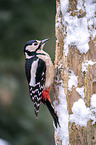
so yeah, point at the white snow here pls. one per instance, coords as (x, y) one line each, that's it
(81, 91)
(93, 108)
(58, 24)
(77, 32)
(93, 101)
(86, 64)
(80, 113)
(64, 6)
(90, 7)
(63, 117)
(80, 5)
(72, 80)
(3, 142)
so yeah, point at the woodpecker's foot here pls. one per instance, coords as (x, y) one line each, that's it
(45, 94)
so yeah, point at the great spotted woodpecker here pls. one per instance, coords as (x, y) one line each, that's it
(40, 74)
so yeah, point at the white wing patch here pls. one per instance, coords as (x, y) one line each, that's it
(33, 72)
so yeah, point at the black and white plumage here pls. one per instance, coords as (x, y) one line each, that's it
(40, 74)
(35, 72)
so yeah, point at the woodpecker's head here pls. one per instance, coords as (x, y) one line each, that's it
(32, 46)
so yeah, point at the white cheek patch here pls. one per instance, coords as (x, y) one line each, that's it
(30, 48)
(33, 72)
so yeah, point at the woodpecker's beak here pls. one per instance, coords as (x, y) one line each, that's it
(44, 41)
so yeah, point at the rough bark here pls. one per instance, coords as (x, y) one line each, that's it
(74, 59)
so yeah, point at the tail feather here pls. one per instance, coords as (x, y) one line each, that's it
(53, 113)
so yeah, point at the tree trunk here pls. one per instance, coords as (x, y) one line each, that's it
(75, 72)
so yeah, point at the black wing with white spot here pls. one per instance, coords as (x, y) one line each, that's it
(28, 65)
(37, 89)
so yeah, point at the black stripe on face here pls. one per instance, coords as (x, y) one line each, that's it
(39, 46)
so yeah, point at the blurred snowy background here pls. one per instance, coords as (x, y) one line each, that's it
(20, 21)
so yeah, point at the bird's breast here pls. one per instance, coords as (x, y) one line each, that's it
(49, 70)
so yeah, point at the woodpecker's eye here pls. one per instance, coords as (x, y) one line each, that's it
(36, 43)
